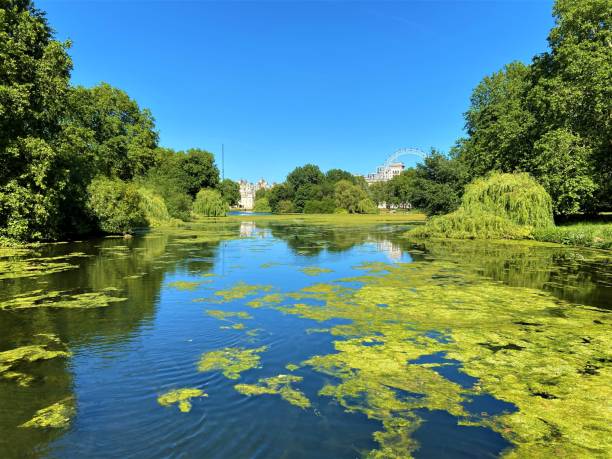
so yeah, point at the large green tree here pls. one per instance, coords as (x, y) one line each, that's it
(34, 77)
(552, 118)
(124, 136)
(200, 170)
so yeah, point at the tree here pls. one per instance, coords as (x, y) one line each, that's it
(552, 118)
(262, 205)
(116, 205)
(305, 175)
(230, 191)
(34, 78)
(352, 198)
(277, 194)
(124, 136)
(209, 203)
(200, 170)
(335, 175)
(306, 192)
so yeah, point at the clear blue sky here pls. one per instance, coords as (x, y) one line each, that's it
(281, 84)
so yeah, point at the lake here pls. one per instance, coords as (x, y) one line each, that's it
(282, 339)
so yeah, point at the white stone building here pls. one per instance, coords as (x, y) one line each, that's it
(248, 190)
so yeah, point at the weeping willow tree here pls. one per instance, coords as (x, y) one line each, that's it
(516, 197)
(154, 208)
(501, 206)
(209, 203)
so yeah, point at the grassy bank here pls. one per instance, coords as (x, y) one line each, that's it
(584, 234)
(335, 219)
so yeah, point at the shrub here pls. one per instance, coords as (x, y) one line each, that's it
(323, 206)
(598, 235)
(209, 203)
(262, 205)
(284, 207)
(116, 205)
(517, 197)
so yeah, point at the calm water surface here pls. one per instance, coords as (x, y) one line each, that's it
(127, 354)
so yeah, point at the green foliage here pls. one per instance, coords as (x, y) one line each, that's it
(305, 175)
(502, 206)
(552, 118)
(473, 224)
(154, 208)
(199, 170)
(353, 198)
(209, 203)
(323, 206)
(34, 78)
(335, 175)
(278, 194)
(123, 135)
(262, 205)
(262, 193)
(305, 193)
(517, 197)
(168, 179)
(597, 235)
(230, 192)
(284, 207)
(116, 205)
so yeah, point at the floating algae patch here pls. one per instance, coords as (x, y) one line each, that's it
(231, 360)
(56, 416)
(549, 358)
(13, 263)
(182, 397)
(242, 290)
(266, 300)
(225, 315)
(292, 367)
(277, 385)
(184, 285)
(61, 299)
(315, 270)
(13, 361)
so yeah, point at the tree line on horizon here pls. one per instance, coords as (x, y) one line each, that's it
(76, 161)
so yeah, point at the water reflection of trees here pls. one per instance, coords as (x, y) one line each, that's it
(577, 275)
(135, 267)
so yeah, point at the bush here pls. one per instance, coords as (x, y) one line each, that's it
(116, 205)
(463, 224)
(209, 203)
(284, 207)
(262, 205)
(517, 197)
(323, 206)
(598, 235)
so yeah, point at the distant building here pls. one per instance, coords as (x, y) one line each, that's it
(384, 174)
(248, 190)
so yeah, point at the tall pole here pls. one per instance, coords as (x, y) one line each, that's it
(222, 162)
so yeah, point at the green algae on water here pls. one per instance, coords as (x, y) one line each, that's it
(241, 290)
(61, 299)
(182, 397)
(225, 315)
(266, 300)
(184, 285)
(14, 362)
(231, 360)
(315, 270)
(548, 357)
(56, 416)
(277, 385)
